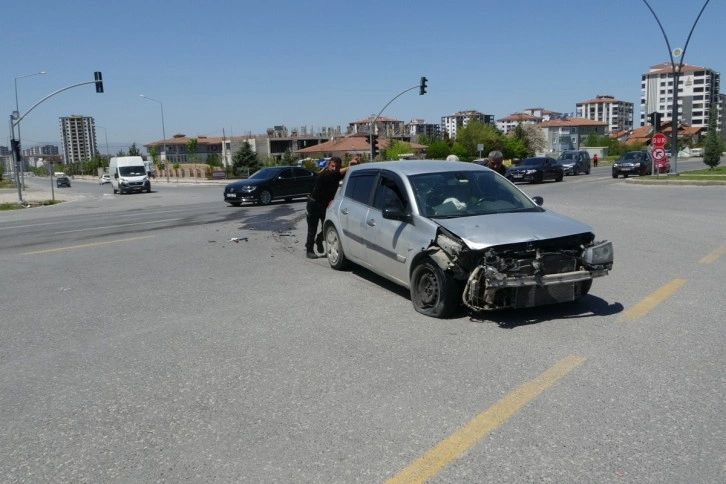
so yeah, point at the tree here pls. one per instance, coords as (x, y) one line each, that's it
(192, 150)
(713, 146)
(473, 134)
(245, 160)
(534, 139)
(214, 159)
(396, 148)
(133, 150)
(438, 150)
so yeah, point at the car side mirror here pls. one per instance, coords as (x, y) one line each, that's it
(538, 200)
(115, 175)
(397, 214)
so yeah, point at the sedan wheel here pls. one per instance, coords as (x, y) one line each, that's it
(433, 291)
(265, 197)
(336, 258)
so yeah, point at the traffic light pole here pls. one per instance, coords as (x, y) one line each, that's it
(676, 75)
(422, 90)
(14, 121)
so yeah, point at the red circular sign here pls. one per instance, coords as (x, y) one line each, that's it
(659, 140)
(659, 154)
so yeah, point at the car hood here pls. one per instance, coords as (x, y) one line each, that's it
(484, 231)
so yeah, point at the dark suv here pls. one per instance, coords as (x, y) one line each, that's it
(575, 162)
(633, 163)
(63, 181)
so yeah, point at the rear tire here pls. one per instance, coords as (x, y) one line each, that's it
(434, 292)
(336, 257)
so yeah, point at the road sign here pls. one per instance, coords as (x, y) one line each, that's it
(659, 154)
(659, 140)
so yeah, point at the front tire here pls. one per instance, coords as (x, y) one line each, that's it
(559, 177)
(615, 175)
(336, 257)
(265, 197)
(433, 291)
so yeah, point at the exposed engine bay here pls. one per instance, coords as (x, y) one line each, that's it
(524, 274)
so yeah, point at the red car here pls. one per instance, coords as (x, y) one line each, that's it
(662, 166)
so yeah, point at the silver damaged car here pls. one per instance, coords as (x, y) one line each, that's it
(458, 233)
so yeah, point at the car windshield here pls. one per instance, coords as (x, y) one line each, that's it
(466, 193)
(632, 155)
(567, 156)
(264, 174)
(132, 170)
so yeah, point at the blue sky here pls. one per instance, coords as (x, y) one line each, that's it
(246, 66)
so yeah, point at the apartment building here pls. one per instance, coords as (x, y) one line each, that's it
(617, 114)
(698, 88)
(78, 135)
(417, 127)
(450, 124)
(509, 123)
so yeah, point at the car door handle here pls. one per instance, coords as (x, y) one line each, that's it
(344, 211)
(371, 222)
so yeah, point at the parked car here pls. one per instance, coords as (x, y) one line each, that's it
(633, 163)
(105, 178)
(536, 170)
(574, 162)
(455, 232)
(269, 184)
(63, 181)
(662, 166)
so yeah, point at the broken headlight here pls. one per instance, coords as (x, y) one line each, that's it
(598, 254)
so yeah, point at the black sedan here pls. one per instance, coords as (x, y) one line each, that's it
(633, 163)
(536, 170)
(271, 183)
(62, 181)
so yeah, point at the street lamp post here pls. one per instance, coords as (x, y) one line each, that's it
(676, 74)
(105, 135)
(21, 179)
(163, 133)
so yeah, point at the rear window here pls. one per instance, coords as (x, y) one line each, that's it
(360, 185)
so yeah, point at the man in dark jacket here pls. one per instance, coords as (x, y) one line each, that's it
(323, 193)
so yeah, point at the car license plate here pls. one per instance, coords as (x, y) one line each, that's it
(517, 175)
(231, 195)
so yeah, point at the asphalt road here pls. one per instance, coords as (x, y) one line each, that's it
(140, 344)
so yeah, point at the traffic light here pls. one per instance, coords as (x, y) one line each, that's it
(422, 86)
(15, 146)
(99, 81)
(374, 147)
(654, 118)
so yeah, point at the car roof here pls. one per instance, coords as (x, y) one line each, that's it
(417, 167)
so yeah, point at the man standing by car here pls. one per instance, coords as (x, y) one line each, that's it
(495, 161)
(323, 192)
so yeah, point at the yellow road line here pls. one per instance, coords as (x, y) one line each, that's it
(85, 245)
(655, 298)
(713, 255)
(460, 441)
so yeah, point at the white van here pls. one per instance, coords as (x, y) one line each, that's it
(128, 174)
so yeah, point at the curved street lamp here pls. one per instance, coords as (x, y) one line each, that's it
(676, 75)
(163, 133)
